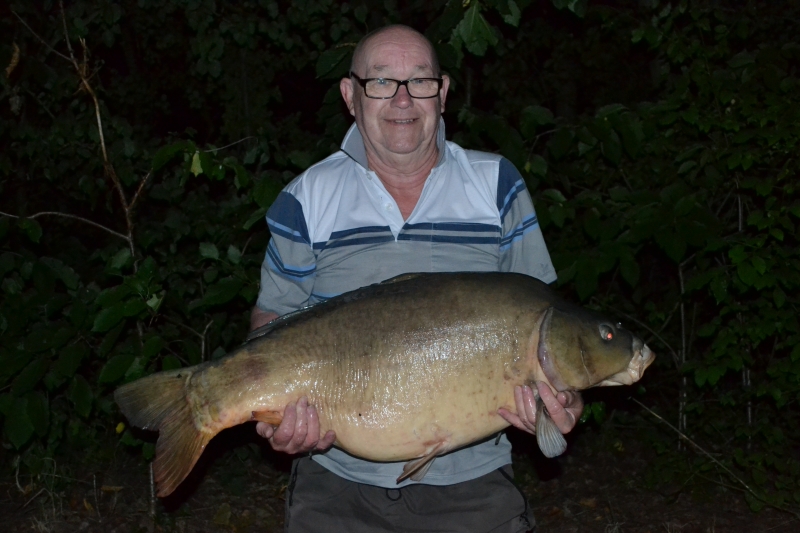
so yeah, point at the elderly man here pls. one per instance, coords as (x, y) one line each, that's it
(398, 198)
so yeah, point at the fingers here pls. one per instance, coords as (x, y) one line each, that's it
(264, 429)
(326, 441)
(564, 408)
(525, 418)
(298, 432)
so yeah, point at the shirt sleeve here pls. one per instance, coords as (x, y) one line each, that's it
(522, 246)
(289, 267)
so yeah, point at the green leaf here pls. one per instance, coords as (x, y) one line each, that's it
(598, 410)
(196, 167)
(672, 243)
(115, 368)
(513, 15)
(223, 291)
(18, 426)
(170, 362)
(331, 63)
(537, 165)
(166, 153)
(612, 148)
(121, 259)
(80, 394)
(257, 216)
(30, 376)
(109, 317)
(561, 142)
(109, 297)
(609, 110)
(265, 191)
(554, 195)
(234, 255)
(475, 32)
(747, 273)
(38, 412)
(242, 177)
(66, 274)
(134, 306)
(629, 269)
(151, 347)
(533, 117)
(70, 359)
(209, 250)
(779, 297)
(719, 288)
(31, 228)
(148, 451)
(686, 167)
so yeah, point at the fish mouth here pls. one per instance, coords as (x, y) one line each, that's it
(546, 361)
(643, 357)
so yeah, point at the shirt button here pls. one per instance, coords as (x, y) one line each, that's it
(388, 207)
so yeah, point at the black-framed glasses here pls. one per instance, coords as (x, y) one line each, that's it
(385, 88)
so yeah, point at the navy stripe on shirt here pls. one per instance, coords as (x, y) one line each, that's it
(285, 218)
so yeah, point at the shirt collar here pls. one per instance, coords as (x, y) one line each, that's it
(353, 144)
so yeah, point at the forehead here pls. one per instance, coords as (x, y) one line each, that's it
(397, 50)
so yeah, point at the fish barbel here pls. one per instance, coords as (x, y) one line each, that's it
(407, 369)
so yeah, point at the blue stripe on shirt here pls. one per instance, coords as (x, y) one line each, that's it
(527, 225)
(352, 242)
(447, 238)
(509, 184)
(276, 264)
(453, 226)
(285, 218)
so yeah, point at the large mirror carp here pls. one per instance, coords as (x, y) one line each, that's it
(407, 369)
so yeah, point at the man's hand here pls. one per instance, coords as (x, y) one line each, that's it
(298, 432)
(260, 318)
(565, 408)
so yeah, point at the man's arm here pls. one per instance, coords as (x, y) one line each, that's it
(260, 318)
(298, 432)
(522, 249)
(565, 408)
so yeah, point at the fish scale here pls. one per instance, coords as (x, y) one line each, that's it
(408, 369)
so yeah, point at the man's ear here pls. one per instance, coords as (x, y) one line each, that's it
(346, 88)
(443, 91)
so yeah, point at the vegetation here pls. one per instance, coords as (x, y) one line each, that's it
(143, 142)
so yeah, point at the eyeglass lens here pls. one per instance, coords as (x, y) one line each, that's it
(386, 88)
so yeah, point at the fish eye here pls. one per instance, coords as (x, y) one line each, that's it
(606, 332)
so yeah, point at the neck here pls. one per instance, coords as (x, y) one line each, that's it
(404, 179)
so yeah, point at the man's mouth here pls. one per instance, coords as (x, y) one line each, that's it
(402, 122)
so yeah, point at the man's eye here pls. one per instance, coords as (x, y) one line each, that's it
(416, 82)
(380, 81)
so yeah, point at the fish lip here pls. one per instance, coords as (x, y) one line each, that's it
(545, 360)
(642, 358)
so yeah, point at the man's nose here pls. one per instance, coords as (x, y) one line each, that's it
(402, 98)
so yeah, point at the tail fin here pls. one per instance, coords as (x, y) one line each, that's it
(159, 403)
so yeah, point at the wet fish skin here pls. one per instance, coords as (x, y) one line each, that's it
(405, 370)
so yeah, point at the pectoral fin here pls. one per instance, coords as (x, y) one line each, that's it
(416, 469)
(548, 436)
(270, 417)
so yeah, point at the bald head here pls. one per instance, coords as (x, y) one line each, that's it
(394, 31)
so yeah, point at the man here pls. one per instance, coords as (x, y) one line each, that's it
(398, 198)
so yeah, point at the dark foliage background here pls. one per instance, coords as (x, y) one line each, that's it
(143, 142)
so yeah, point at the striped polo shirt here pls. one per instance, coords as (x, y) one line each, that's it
(335, 228)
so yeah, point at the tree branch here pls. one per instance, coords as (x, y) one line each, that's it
(59, 54)
(74, 217)
(656, 335)
(717, 462)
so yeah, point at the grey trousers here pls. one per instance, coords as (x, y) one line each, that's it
(319, 501)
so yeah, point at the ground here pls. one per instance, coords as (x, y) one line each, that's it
(602, 484)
